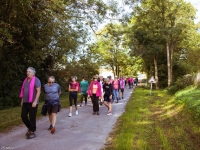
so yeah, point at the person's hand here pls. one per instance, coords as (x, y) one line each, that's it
(34, 104)
(21, 102)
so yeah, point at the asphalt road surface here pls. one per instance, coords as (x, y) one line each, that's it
(79, 132)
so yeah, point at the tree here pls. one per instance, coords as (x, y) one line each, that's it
(110, 51)
(172, 21)
(41, 34)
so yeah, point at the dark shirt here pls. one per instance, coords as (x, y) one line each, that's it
(107, 88)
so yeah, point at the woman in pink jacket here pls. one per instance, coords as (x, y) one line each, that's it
(94, 91)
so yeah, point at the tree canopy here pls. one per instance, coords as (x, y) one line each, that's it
(159, 38)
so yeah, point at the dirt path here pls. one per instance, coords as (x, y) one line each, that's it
(82, 132)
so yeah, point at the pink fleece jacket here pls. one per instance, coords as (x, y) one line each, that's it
(98, 93)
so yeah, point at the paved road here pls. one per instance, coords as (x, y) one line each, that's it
(82, 132)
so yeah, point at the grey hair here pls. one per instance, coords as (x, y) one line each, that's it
(52, 77)
(107, 79)
(32, 69)
(75, 77)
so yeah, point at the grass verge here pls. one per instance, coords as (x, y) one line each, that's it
(12, 117)
(191, 98)
(154, 122)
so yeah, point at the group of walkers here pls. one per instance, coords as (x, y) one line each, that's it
(131, 82)
(103, 90)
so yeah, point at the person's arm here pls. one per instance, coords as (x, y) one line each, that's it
(69, 89)
(76, 88)
(73, 90)
(59, 90)
(103, 88)
(21, 102)
(99, 88)
(38, 91)
(110, 88)
(89, 91)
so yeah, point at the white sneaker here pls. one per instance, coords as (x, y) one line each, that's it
(70, 114)
(77, 112)
(109, 113)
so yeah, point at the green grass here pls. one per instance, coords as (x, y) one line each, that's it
(190, 97)
(12, 117)
(154, 122)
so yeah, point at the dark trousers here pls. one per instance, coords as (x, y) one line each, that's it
(95, 101)
(84, 96)
(73, 97)
(30, 121)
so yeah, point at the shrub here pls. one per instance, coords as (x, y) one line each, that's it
(181, 83)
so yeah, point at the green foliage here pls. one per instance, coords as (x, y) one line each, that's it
(42, 34)
(181, 83)
(111, 53)
(191, 98)
(162, 28)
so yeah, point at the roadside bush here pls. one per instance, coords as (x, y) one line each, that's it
(181, 83)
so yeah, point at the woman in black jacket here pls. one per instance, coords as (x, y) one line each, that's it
(107, 88)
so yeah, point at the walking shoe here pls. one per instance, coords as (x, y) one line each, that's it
(109, 113)
(53, 130)
(94, 113)
(50, 127)
(31, 135)
(80, 105)
(27, 132)
(98, 113)
(70, 114)
(122, 97)
(76, 112)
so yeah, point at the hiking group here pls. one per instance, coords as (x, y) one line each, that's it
(100, 90)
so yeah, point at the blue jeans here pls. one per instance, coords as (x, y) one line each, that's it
(115, 93)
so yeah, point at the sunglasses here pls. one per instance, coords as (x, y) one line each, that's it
(50, 82)
(94, 78)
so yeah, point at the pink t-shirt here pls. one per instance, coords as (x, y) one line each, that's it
(116, 84)
(131, 80)
(94, 89)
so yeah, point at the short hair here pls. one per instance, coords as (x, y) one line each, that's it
(52, 77)
(32, 70)
(74, 77)
(107, 79)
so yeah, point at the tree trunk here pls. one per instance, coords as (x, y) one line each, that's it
(171, 57)
(169, 64)
(118, 70)
(113, 69)
(156, 70)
